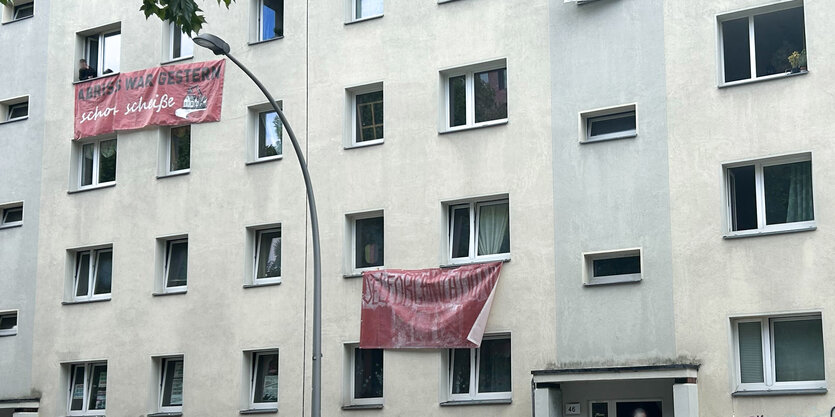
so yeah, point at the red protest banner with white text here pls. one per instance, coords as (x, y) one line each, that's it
(162, 96)
(427, 308)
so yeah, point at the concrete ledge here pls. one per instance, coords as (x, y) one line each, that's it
(265, 41)
(99, 300)
(265, 159)
(98, 187)
(160, 294)
(166, 414)
(482, 125)
(364, 19)
(266, 284)
(363, 407)
(775, 392)
(754, 233)
(476, 402)
(445, 266)
(259, 411)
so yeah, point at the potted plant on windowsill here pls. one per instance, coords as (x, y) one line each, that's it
(794, 59)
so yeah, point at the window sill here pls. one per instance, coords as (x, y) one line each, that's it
(263, 284)
(176, 60)
(614, 280)
(259, 411)
(475, 262)
(491, 123)
(365, 144)
(98, 300)
(112, 74)
(18, 20)
(8, 334)
(476, 402)
(629, 136)
(16, 119)
(166, 414)
(364, 19)
(267, 159)
(97, 187)
(763, 393)
(761, 79)
(11, 226)
(362, 407)
(161, 294)
(174, 174)
(754, 233)
(352, 275)
(265, 41)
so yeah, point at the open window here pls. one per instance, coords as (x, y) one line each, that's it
(14, 109)
(265, 133)
(101, 50)
(11, 215)
(612, 267)
(92, 274)
(171, 265)
(18, 10)
(263, 379)
(268, 20)
(618, 122)
(95, 164)
(171, 376)
(8, 323)
(180, 45)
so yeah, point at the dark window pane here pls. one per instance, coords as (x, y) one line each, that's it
(104, 268)
(623, 123)
(98, 388)
(737, 52)
(368, 373)
(82, 274)
(8, 321)
(776, 36)
(172, 388)
(14, 214)
(177, 264)
(272, 19)
(176, 42)
(750, 352)
(107, 161)
(788, 193)
(617, 266)
(493, 229)
(369, 243)
(87, 154)
(77, 389)
(798, 350)
(460, 370)
(24, 10)
(628, 408)
(494, 366)
(93, 53)
(460, 229)
(457, 101)
(269, 253)
(269, 134)
(490, 95)
(180, 148)
(369, 116)
(743, 195)
(266, 378)
(600, 410)
(18, 110)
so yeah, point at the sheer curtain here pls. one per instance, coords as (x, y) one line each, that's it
(492, 228)
(800, 193)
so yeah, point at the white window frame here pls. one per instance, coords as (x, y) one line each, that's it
(13, 330)
(259, 23)
(7, 105)
(96, 162)
(92, 273)
(172, 31)
(257, 254)
(253, 133)
(168, 244)
(4, 208)
(163, 373)
(351, 114)
(749, 13)
(764, 228)
(88, 375)
(352, 225)
(168, 143)
(469, 72)
(475, 358)
(12, 107)
(352, 12)
(350, 388)
(588, 266)
(473, 206)
(769, 378)
(99, 64)
(253, 357)
(606, 112)
(18, 7)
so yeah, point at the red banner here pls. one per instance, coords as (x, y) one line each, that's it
(427, 308)
(161, 96)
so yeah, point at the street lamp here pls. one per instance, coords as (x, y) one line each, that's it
(220, 47)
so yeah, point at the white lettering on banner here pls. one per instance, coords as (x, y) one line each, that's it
(164, 102)
(96, 114)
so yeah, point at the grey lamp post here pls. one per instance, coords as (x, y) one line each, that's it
(220, 47)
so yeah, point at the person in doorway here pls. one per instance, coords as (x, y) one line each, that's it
(84, 71)
(639, 412)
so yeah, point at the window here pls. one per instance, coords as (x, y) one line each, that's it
(759, 43)
(774, 353)
(480, 373)
(365, 376)
(18, 111)
(180, 44)
(24, 10)
(475, 96)
(268, 255)
(610, 123)
(367, 241)
(364, 9)
(266, 133)
(11, 215)
(8, 323)
(97, 163)
(178, 157)
(479, 230)
(171, 384)
(263, 379)
(176, 265)
(92, 274)
(365, 112)
(625, 408)
(88, 389)
(611, 267)
(102, 51)
(14, 109)
(270, 19)
(770, 195)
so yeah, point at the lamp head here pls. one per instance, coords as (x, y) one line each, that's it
(212, 43)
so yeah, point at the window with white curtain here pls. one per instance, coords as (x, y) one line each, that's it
(779, 353)
(479, 230)
(770, 195)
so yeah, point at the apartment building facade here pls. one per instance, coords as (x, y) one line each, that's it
(22, 98)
